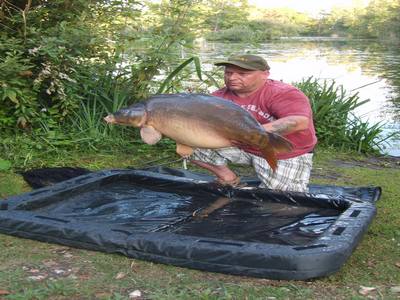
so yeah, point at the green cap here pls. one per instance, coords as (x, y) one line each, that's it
(246, 61)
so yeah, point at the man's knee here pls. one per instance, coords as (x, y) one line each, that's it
(292, 175)
(208, 156)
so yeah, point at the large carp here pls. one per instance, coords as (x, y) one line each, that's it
(199, 121)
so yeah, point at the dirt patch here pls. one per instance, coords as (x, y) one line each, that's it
(62, 264)
(376, 163)
(321, 173)
(372, 162)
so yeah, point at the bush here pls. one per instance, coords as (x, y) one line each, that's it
(233, 34)
(55, 54)
(17, 95)
(44, 54)
(335, 123)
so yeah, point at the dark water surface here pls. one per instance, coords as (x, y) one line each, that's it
(368, 67)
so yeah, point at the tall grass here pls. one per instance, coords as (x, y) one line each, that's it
(168, 81)
(108, 96)
(335, 122)
(112, 93)
(85, 130)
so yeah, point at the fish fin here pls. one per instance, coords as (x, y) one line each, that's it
(150, 135)
(270, 156)
(110, 119)
(271, 146)
(184, 150)
(279, 143)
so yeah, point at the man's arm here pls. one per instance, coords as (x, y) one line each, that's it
(287, 125)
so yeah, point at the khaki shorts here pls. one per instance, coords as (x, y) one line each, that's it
(292, 174)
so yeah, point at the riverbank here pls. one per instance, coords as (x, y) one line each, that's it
(35, 270)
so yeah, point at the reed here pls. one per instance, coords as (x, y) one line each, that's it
(335, 122)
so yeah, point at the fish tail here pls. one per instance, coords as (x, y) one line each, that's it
(273, 144)
(270, 156)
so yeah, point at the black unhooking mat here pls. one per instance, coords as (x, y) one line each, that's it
(182, 218)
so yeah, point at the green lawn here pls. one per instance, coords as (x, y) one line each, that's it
(36, 270)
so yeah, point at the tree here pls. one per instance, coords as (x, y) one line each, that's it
(224, 14)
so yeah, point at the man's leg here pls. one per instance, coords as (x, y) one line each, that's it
(216, 162)
(291, 174)
(223, 173)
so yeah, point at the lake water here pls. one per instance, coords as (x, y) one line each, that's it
(368, 67)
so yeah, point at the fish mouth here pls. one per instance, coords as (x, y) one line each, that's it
(110, 119)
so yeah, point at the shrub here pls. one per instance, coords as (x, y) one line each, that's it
(335, 123)
(237, 33)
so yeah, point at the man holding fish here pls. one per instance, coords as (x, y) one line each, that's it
(253, 120)
(281, 109)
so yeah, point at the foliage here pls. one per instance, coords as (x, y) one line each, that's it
(380, 19)
(224, 14)
(239, 33)
(283, 22)
(4, 164)
(264, 25)
(62, 71)
(17, 96)
(170, 77)
(53, 59)
(45, 61)
(335, 124)
(168, 31)
(243, 22)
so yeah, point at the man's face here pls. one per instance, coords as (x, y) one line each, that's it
(244, 81)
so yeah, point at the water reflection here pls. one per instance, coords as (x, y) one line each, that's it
(368, 67)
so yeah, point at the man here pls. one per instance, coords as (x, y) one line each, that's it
(281, 109)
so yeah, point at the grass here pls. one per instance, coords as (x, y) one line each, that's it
(35, 270)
